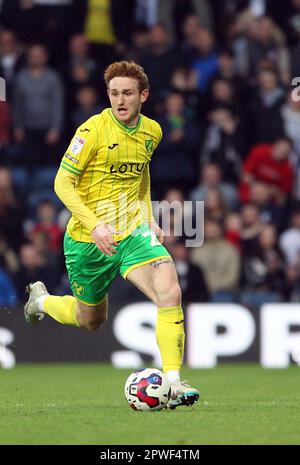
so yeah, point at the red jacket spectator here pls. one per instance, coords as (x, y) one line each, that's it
(268, 164)
(47, 225)
(53, 233)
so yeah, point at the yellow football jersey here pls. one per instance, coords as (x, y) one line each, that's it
(111, 163)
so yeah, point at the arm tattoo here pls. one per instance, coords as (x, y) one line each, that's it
(160, 261)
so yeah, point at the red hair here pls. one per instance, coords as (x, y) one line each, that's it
(127, 69)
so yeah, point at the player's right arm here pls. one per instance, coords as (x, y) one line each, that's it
(80, 151)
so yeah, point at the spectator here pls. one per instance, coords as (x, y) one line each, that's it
(8, 257)
(262, 44)
(222, 95)
(47, 21)
(241, 89)
(184, 81)
(175, 159)
(232, 229)
(46, 223)
(206, 62)
(147, 13)
(190, 28)
(265, 109)
(11, 59)
(99, 31)
(211, 178)
(227, 70)
(173, 213)
(38, 108)
(290, 21)
(190, 13)
(87, 106)
(270, 212)
(81, 69)
(226, 12)
(295, 59)
(191, 277)
(290, 113)
(243, 30)
(11, 218)
(293, 279)
(251, 227)
(52, 260)
(107, 26)
(6, 183)
(159, 62)
(33, 268)
(139, 44)
(214, 206)
(290, 239)
(263, 271)
(22, 17)
(271, 47)
(224, 144)
(269, 164)
(179, 129)
(8, 297)
(79, 53)
(220, 262)
(79, 77)
(124, 20)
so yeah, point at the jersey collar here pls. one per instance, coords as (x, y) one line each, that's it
(123, 126)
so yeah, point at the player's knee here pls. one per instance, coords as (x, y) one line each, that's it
(170, 296)
(92, 324)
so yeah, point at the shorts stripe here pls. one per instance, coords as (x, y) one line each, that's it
(88, 304)
(137, 265)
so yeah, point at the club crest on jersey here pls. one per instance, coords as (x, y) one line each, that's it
(79, 290)
(149, 145)
(77, 145)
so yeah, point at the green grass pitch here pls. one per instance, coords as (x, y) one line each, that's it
(84, 404)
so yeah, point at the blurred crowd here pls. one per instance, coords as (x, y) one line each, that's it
(223, 76)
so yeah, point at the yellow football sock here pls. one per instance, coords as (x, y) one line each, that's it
(170, 336)
(62, 309)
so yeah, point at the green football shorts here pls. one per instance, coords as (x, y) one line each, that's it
(91, 272)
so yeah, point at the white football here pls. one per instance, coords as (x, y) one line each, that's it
(147, 389)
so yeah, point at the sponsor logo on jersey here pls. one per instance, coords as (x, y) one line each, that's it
(149, 145)
(74, 160)
(77, 145)
(127, 167)
(85, 130)
(112, 146)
